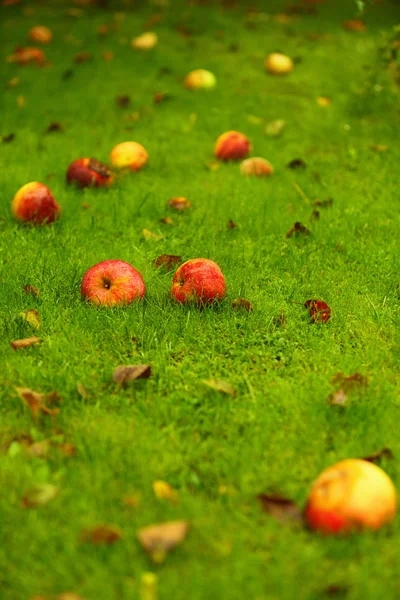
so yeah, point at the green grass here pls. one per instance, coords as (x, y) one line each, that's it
(279, 432)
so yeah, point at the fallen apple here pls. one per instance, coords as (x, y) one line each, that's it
(89, 172)
(232, 145)
(180, 203)
(198, 280)
(256, 166)
(128, 155)
(112, 283)
(40, 34)
(278, 64)
(34, 203)
(200, 79)
(352, 494)
(23, 56)
(146, 41)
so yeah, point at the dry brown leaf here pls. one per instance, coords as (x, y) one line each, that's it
(297, 229)
(160, 97)
(25, 343)
(23, 56)
(323, 203)
(102, 29)
(338, 398)
(123, 101)
(159, 539)
(379, 455)
(6, 139)
(39, 495)
(350, 382)
(149, 235)
(165, 491)
(101, 534)
(297, 163)
(126, 373)
(169, 261)
(66, 449)
(242, 303)
(220, 386)
(231, 224)
(153, 20)
(32, 317)
(39, 449)
(280, 508)
(54, 126)
(167, 221)
(36, 402)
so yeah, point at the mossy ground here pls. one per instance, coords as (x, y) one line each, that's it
(279, 432)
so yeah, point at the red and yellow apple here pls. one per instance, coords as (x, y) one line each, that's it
(352, 494)
(278, 64)
(129, 155)
(200, 281)
(89, 172)
(200, 79)
(256, 166)
(112, 283)
(179, 203)
(40, 34)
(232, 145)
(34, 203)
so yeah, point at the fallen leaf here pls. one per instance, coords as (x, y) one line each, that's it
(85, 205)
(179, 203)
(24, 56)
(315, 215)
(275, 128)
(379, 455)
(6, 139)
(242, 304)
(159, 539)
(354, 25)
(231, 224)
(165, 491)
(323, 203)
(31, 289)
(168, 261)
(280, 508)
(39, 449)
(324, 101)
(350, 382)
(82, 391)
(320, 312)
(36, 401)
(126, 373)
(25, 343)
(297, 163)
(338, 398)
(167, 221)
(335, 590)
(220, 386)
(99, 167)
(376, 148)
(149, 235)
(297, 229)
(82, 57)
(123, 101)
(32, 317)
(54, 127)
(101, 534)
(39, 495)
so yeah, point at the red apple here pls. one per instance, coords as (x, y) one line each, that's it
(89, 172)
(34, 203)
(278, 64)
(256, 166)
(320, 312)
(198, 280)
(179, 203)
(40, 34)
(112, 283)
(130, 155)
(351, 495)
(232, 145)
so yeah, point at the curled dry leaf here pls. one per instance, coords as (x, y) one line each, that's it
(320, 312)
(298, 229)
(149, 235)
(280, 508)
(123, 101)
(24, 56)
(379, 455)
(159, 539)
(39, 495)
(275, 128)
(167, 221)
(169, 261)
(32, 317)
(315, 215)
(69, 596)
(35, 401)
(297, 163)
(179, 203)
(101, 534)
(165, 491)
(220, 386)
(25, 343)
(125, 373)
(349, 382)
(338, 398)
(242, 304)
(54, 127)
(231, 224)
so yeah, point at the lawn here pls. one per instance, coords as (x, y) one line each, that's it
(108, 445)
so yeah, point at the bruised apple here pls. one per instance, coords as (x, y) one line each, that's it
(112, 283)
(128, 155)
(352, 494)
(34, 203)
(232, 145)
(89, 172)
(198, 280)
(40, 34)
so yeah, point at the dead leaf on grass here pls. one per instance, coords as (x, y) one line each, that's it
(53, 127)
(123, 101)
(39, 449)
(242, 304)
(169, 261)
(39, 495)
(349, 382)
(6, 139)
(25, 343)
(131, 500)
(101, 534)
(275, 128)
(125, 373)
(220, 386)
(108, 55)
(165, 491)
(179, 203)
(379, 455)
(167, 221)
(298, 229)
(159, 539)
(149, 235)
(35, 401)
(32, 317)
(281, 508)
(323, 203)
(231, 224)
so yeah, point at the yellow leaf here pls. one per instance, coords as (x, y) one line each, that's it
(32, 317)
(165, 491)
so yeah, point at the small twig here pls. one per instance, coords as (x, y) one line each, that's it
(300, 192)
